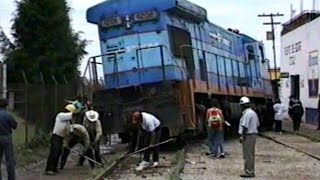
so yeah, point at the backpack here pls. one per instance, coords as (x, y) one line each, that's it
(297, 109)
(215, 120)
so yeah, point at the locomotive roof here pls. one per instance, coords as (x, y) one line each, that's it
(95, 13)
(107, 7)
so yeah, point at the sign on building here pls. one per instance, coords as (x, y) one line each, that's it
(292, 60)
(313, 74)
(269, 35)
(284, 75)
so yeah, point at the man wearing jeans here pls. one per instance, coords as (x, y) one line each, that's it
(7, 123)
(248, 129)
(151, 135)
(215, 122)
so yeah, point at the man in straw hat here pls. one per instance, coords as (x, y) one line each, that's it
(61, 129)
(93, 126)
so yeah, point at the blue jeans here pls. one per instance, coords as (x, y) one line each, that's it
(6, 148)
(215, 140)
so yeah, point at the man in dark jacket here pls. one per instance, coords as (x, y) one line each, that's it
(296, 112)
(7, 123)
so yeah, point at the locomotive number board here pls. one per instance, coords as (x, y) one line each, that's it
(111, 22)
(145, 16)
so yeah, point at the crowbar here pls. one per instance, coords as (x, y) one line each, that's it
(89, 159)
(143, 149)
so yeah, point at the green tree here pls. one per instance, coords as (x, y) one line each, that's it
(45, 44)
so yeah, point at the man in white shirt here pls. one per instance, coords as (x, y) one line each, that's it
(279, 115)
(248, 129)
(151, 135)
(60, 131)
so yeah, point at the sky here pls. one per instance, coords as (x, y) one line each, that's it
(235, 14)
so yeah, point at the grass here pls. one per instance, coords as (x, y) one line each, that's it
(19, 135)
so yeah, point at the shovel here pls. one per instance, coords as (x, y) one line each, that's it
(143, 149)
(89, 159)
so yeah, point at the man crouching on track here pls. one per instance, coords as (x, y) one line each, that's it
(151, 134)
(78, 134)
(248, 129)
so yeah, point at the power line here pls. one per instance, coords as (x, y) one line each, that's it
(272, 34)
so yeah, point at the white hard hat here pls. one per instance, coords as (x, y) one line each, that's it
(92, 115)
(244, 100)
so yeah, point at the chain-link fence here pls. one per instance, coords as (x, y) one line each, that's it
(38, 105)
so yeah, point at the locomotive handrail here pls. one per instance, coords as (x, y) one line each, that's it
(182, 69)
(168, 50)
(121, 51)
(247, 63)
(185, 45)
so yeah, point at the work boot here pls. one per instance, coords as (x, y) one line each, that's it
(142, 165)
(50, 173)
(222, 155)
(155, 164)
(245, 175)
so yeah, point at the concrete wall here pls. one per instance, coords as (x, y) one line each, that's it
(299, 56)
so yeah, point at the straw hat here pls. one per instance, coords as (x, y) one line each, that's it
(92, 116)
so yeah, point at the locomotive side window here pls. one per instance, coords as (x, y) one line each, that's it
(261, 52)
(250, 52)
(179, 37)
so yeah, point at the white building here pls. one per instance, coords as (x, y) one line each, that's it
(300, 47)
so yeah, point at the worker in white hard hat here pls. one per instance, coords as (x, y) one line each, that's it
(61, 129)
(93, 125)
(248, 130)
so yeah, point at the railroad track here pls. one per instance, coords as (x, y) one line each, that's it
(191, 163)
(167, 169)
(292, 147)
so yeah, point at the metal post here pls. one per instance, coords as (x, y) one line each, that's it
(94, 70)
(272, 23)
(274, 48)
(26, 109)
(162, 64)
(4, 80)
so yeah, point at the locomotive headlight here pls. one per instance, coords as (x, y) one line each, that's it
(128, 23)
(127, 18)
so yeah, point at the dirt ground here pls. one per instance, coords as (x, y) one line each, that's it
(273, 161)
(35, 170)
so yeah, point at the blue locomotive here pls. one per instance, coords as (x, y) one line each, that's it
(165, 57)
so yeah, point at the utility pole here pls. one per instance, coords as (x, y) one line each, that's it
(271, 36)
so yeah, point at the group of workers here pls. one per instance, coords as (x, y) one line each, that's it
(88, 133)
(66, 134)
(248, 130)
